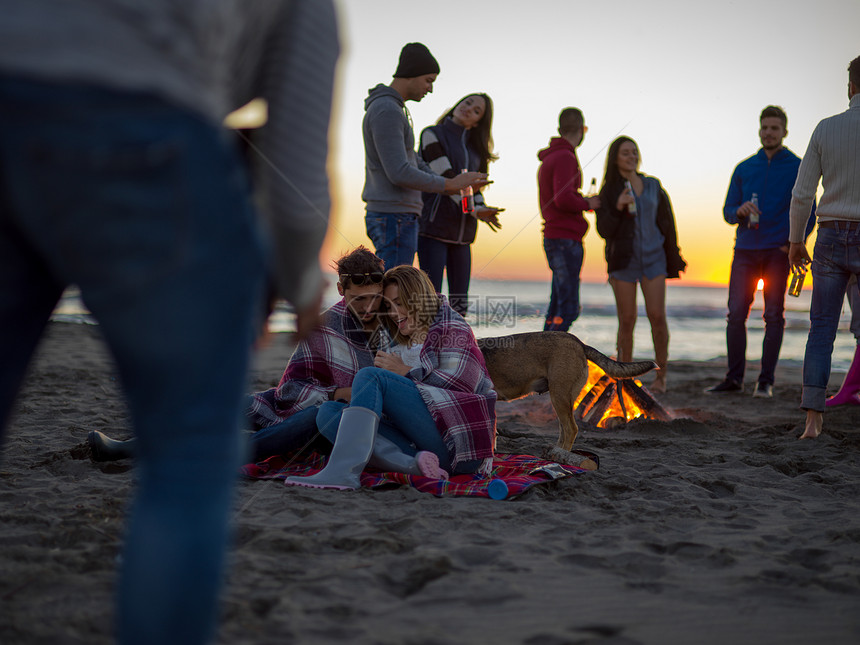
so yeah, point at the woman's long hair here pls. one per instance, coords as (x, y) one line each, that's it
(480, 136)
(611, 175)
(417, 295)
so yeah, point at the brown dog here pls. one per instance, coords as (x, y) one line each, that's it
(549, 361)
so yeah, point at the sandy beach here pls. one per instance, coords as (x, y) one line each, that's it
(716, 527)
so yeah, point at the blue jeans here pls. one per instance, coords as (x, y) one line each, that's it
(145, 207)
(405, 418)
(835, 259)
(394, 236)
(853, 294)
(748, 267)
(396, 397)
(564, 257)
(293, 433)
(434, 256)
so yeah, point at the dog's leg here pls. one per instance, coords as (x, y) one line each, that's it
(562, 403)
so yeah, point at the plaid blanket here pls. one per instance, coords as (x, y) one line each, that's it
(326, 361)
(454, 384)
(519, 472)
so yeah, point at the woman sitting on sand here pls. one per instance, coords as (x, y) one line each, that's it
(636, 220)
(431, 386)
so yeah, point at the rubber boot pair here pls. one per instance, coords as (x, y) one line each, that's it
(103, 448)
(355, 444)
(848, 393)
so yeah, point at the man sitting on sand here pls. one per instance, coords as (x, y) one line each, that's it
(320, 369)
(323, 366)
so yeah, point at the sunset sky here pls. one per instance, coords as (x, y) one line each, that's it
(686, 79)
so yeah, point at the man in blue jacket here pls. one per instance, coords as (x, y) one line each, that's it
(757, 202)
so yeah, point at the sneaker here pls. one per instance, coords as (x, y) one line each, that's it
(763, 391)
(726, 386)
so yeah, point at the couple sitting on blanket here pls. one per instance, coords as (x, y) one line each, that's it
(421, 404)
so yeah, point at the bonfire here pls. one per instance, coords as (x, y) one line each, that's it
(607, 402)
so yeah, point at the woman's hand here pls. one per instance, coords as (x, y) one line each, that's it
(391, 362)
(490, 215)
(624, 200)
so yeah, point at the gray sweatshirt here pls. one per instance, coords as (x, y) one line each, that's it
(394, 175)
(209, 57)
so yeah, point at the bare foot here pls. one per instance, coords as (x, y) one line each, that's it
(658, 385)
(814, 422)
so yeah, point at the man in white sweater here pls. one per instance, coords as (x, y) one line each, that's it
(833, 155)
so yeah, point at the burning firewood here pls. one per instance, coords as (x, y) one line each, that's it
(607, 402)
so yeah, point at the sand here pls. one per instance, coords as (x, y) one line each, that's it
(717, 527)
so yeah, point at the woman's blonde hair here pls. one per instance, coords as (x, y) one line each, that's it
(417, 295)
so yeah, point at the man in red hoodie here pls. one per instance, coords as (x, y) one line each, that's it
(561, 206)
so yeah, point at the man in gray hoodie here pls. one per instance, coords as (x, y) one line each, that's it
(395, 175)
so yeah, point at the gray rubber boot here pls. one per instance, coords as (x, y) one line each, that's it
(104, 448)
(352, 449)
(388, 456)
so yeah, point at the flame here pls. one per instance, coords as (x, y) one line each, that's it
(622, 405)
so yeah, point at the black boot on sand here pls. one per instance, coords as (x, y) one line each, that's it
(106, 449)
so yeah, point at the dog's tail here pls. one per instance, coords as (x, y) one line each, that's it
(616, 369)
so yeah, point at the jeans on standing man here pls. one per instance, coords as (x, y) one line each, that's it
(564, 257)
(772, 265)
(836, 258)
(394, 236)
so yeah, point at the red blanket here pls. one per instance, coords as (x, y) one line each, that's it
(519, 472)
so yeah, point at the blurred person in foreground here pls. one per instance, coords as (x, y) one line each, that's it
(833, 156)
(117, 175)
(635, 218)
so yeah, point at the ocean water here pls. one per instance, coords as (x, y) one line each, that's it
(696, 315)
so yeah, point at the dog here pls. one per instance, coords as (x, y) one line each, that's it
(549, 361)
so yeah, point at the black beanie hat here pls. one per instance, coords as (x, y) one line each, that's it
(415, 60)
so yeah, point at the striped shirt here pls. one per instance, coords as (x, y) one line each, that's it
(209, 57)
(433, 152)
(833, 155)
